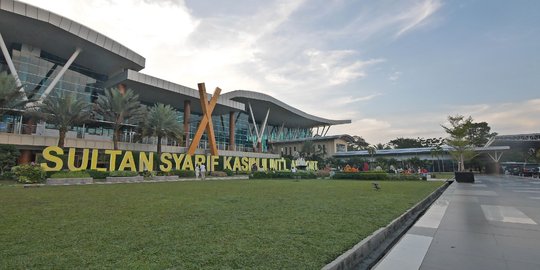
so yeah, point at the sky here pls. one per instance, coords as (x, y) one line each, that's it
(395, 68)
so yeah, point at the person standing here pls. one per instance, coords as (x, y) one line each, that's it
(203, 171)
(197, 171)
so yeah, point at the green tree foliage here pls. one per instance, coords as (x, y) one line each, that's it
(10, 95)
(479, 133)
(311, 151)
(438, 152)
(8, 157)
(162, 121)
(358, 143)
(458, 139)
(399, 143)
(64, 111)
(119, 108)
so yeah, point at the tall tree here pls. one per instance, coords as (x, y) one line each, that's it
(372, 150)
(10, 95)
(479, 133)
(162, 121)
(119, 109)
(458, 139)
(431, 142)
(64, 111)
(437, 152)
(405, 143)
(358, 143)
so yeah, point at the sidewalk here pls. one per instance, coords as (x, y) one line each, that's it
(491, 224)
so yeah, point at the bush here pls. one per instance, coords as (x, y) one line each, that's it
(148, 174)
(362, 176)
(183, 173)
(123, 174)
(29, 174)
(8, 157)
(68, 174)
(218, 174)
(283, 175)
(228, 172)
(97, 174)
(405, 177)
(9, 175)
(323, 173)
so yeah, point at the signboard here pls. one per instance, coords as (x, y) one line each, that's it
(57, 159)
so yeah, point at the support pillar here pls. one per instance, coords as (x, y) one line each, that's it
(187, 116)
(59, 75)
(11, 66)
(232, 146)
(25, 157)
(122, 88)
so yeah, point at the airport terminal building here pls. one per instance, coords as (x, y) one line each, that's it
(48, 54)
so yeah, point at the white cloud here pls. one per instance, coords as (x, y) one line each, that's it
(503, 118)
(416, 15)
(395, 76)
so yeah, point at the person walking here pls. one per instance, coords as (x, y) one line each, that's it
(203, 171)
(197, 171)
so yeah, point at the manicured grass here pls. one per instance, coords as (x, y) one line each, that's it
(444, 175)
(253, 224)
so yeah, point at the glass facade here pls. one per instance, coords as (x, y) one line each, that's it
(37, 69)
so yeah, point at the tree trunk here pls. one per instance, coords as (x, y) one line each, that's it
(115, 139)
(442, 165)
(158, 146)
(62, 137)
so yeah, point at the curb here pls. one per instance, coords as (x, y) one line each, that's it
(367, 252)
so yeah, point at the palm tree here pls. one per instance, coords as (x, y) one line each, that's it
(119, 109)
(10, 95)
(162, 122)
(437, 152)
(64, 111)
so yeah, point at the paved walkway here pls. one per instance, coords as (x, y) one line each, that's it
(491, 224)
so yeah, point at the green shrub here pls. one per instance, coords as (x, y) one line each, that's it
(8, 157)
(68, 174)
(29, 174)
(123, 174)
(323, 173)
(218, 174)
(362, 175)
(183, 173)
(405, 177)
(97, 174)
(148, 174)
(228, 172)
(9, 175)
(283, 175)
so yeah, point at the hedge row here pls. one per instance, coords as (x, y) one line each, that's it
(361, 175)
(374, 176)
(283, 175)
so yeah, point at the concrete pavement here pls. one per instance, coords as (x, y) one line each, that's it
(491, 224)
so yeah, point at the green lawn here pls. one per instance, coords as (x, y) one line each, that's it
(265, 224)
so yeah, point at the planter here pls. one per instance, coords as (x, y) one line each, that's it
(165, 177)
(464, 177)
(126, 179)
(69, 181)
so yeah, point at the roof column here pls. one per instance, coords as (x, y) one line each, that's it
(232, 146)
(59, 75)
(260, 136)
(187, 116)
(11, 66)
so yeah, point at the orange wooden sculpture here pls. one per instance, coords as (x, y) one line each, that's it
(206, 121)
